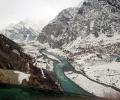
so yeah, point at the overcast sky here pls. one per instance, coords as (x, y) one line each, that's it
(13, 11)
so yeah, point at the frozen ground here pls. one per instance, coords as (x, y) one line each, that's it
(90, 86)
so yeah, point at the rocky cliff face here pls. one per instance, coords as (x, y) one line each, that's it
(96, 17)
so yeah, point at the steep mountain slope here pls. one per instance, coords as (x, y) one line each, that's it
(58, 31)
(90, 37)
(96, 17)
(18, 68)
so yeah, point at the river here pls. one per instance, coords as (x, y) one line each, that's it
(61, 63)
(67, 85)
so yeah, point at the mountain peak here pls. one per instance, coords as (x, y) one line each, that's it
(29, 24)
(22, 31)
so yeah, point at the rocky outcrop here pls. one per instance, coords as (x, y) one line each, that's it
(11, 58)
(8, 76)
(16, 67)
(11, 55)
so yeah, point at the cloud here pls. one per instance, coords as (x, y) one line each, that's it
(13, 11)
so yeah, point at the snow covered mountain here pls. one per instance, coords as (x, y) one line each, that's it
(22, 32)
(87, 37)
(56, 32)
(94, 17)
(90, 38)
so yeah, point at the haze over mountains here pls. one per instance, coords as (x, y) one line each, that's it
(23, 31)
(87, 36)
(94, 18)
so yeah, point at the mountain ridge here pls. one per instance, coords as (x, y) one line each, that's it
(23, 31)
(95, 17)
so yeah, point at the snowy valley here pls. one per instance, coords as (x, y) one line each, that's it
(84, 42)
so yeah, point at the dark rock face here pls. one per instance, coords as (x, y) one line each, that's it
(37, 80)
(95, 17)
(115, 3)
(12, 58)
(11, 55)
(58, 32)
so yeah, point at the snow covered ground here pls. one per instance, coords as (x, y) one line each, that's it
(33, 48)
(90, 86)
(57, 52)
(106, 73)
(90, 41)
(22, 76)
(96, 58)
